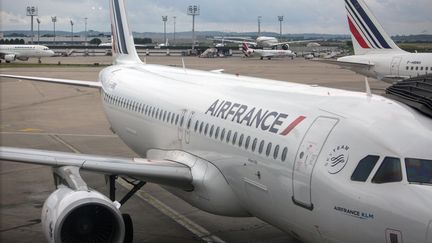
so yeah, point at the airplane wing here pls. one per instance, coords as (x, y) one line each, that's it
(347, 65)
(90, 84)
(163, 172)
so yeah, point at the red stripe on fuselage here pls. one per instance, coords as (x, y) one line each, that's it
(357, 35)
(293, 124)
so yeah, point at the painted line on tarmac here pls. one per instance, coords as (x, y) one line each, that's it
(59, 134)
(190, 225)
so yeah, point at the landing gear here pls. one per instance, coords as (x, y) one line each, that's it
(262, 58)
(269, 58)
(137, 185)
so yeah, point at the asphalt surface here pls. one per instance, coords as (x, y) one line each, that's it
(67, 118)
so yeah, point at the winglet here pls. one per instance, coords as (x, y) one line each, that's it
(123, 46)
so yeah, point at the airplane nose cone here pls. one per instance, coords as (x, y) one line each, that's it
(51, 53)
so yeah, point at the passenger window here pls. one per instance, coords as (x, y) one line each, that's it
(284, 154)
(421, 68)
(269, 147)
(427, 68)
(177, 119)
(206, 129)
(416, 68)
(211, 131)
(217, 133)
(164, 117)
(196, 126)
(234, 138)
(247, 142)
(222, 134)
(228, 136)
(407, 67)
(189, 123)
(261, 147)
(182, 120)
(254, 143)
(201, 127)
(412, 68)
(364, 168)
(241, 140)
(419, 170)
(389, 171)
(276, 152)
(157, 113)
(172, 118)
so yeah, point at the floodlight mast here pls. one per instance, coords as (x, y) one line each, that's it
(31, 11)
(54, 20)
(165, 19)
(72, 32)
(193, 10)
(280, 18)
(259, 25)
(38, 22)
(174, 33)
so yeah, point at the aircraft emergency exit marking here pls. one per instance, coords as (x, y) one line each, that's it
(265, 120)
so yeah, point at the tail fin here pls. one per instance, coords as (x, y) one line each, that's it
(123, 46)
(368, 36)
(245, 49)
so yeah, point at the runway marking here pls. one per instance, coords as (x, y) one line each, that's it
(59, 134)
(69, 146)
(190, 225)
(28, 130)
(193, 227)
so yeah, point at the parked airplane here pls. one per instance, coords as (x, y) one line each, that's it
(322, 164)
(10, 53)
(376, 55)
(269, 54)
(263, 42)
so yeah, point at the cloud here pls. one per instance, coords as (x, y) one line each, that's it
(324, 16)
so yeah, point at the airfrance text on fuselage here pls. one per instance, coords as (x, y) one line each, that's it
(265, 120)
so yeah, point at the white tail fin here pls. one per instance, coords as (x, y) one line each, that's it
(123, 46)
(368, 36)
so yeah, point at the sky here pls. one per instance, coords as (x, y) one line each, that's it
(300, 16)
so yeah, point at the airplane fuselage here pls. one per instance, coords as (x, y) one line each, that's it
(23, 52)
(392, 67)
(275, 144)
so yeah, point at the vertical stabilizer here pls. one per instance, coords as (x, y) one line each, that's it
(367, 34)
(123, 46)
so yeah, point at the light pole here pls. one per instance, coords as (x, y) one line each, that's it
(165, 19)
(280, 18)
(38, 22)
(85, 28)
(259, 25)
(31, 11)
(72, 34)
(54, 20)
(193, 10)
(174, 28)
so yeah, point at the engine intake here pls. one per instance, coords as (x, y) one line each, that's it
(70, 216)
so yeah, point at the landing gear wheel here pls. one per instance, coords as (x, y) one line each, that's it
(262, 58)
(128, 228)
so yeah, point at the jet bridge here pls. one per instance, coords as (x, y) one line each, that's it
(415, 92)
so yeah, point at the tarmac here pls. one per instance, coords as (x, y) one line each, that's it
(67, 118)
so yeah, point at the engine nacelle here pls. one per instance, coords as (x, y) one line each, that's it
(9, 57)
(285, 46)
(81, 216)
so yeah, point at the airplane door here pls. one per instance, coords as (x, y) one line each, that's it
(188, 127)
(181, 124)
(306, 158)
(394, 66)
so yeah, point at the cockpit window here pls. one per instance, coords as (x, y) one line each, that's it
(419, 170)
(364, 168)
(389, 171)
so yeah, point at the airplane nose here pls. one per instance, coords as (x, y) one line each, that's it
(51, 53)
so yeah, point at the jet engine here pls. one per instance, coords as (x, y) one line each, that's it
(9, 57)
(285, 46)
(81, 216)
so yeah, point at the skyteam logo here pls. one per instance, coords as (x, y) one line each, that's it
(363, 28)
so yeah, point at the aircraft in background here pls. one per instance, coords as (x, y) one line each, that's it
(375, 53)
(322, 164)
(265, 42)
(10, 53)
(269, 54)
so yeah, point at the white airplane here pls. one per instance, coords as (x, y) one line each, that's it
(265, 42)
(376, 55)
(322, 164)
(269, 54)
(10, 53)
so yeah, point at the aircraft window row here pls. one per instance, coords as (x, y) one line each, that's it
(364, 168)
(417, 68)
(241, 140)
(147, 110)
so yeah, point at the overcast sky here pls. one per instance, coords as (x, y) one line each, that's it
(301, 16)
